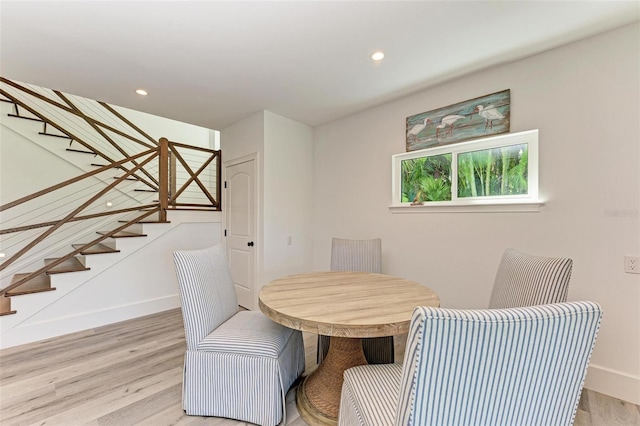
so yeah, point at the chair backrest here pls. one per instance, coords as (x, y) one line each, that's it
(206, 291)
(356, 255)
(525, 280)
(514, 366)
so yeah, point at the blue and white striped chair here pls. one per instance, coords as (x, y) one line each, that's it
(518, 366)
(359, 256)
(526, 280)
(238, 364)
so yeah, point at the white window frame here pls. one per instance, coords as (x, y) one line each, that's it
(501, 203)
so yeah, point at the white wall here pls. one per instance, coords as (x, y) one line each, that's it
(288, 197)
(584, 98)
(176, 131)
(285, 174)
(243, 138)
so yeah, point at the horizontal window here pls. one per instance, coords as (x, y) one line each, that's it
(498, 170)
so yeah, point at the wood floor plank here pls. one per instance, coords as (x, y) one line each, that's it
(171, 415)
(86, 387)
(106, 378)
(48, 344)
(108, 359)
(131, 373)
(609, 411)
(134, 413)
(93, 409)
(39, 361)
(15, 409)
(583, 418)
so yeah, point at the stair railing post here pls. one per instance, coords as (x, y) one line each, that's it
(164, 178)
(173, 178)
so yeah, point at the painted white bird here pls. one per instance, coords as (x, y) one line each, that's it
(413, 133)
(489, 113)
(447, 121)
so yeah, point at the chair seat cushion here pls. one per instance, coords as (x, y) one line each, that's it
(370, 394)
(248, 333)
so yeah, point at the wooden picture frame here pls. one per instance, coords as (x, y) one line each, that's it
(471, 119)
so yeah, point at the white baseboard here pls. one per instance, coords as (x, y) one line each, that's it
(36, 331)
(613, 383)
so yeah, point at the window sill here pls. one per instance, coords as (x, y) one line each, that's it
(477, 206)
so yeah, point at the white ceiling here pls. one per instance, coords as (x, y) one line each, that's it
(213, 63)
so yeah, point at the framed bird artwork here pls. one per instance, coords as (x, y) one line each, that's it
(471, 119)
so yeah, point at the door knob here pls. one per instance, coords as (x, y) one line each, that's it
(250, 243)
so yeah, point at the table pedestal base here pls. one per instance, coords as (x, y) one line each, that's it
(318, 396)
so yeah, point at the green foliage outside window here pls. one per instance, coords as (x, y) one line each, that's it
(490, 172)
(426, 179)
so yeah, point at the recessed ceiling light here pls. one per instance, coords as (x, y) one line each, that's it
(377, 56)
(142, 92)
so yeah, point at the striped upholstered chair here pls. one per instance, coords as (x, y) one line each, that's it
(526, 280)
(359, 256)
(238, 364)
(518, 366)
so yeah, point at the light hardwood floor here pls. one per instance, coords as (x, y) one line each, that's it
(130, 373)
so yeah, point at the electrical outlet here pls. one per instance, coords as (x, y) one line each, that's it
(632, 264)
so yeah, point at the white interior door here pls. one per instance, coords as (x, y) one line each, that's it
(240, 228)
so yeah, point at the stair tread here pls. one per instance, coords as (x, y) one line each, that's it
(37, 284)
(55, 135)
(70, 265)
(102, 165)
(95, 249)
(81, 151)
(25, 118)
(122, 234)
(147, 221)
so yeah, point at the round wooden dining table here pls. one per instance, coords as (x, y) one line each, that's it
(346, 306)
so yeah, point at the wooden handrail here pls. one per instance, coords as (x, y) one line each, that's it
(69, 110)
(194, 148)
(165, 152)
(71, 181)
(48, 232)
(63, 130)
(75, 219)
(194, 176)
(192, 205)
(102, 133)
(124, 119)
(58, 261)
